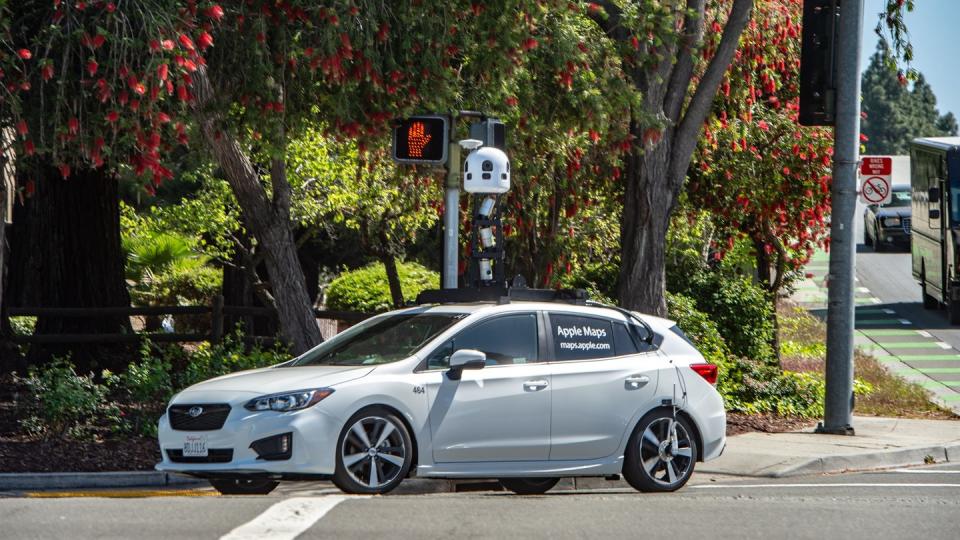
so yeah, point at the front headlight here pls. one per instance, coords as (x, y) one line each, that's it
(891, 222)
(288, 401)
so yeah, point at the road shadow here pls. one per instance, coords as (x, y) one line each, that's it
(928, 319)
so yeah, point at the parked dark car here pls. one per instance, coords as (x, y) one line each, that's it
(888, 225)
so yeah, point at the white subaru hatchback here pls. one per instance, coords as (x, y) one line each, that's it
(525, 392)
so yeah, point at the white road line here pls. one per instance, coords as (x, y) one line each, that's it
(905, 322)
(876, 300)
(923, 471)
(924, 333)
(863, 290)
(286, 519)
(943, 345)
(889, 312)
(863, 484)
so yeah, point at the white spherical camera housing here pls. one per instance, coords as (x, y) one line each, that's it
(486, 170)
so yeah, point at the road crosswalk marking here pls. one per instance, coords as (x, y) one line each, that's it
(287, 519)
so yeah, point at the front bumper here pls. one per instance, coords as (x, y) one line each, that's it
(896, 236)
(314, 443)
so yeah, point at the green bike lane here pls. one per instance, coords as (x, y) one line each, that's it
(888, 334)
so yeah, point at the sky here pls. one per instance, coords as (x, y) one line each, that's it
(933, 32)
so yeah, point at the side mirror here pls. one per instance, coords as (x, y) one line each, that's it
(465, 359)
(934, 213)
(934, 194)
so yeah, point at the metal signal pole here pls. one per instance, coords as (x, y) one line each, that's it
(838, 405)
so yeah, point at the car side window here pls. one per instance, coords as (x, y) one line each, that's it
(581, 338)
(507, 339)
(623, 340)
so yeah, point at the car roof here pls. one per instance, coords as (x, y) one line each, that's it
(513, 306)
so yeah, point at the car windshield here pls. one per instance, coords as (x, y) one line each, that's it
(900, 197)
(379, 341)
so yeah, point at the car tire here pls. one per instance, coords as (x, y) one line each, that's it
(529, 486)
(953, 312)
(652, 462)
(877, 243)
(866, 234)
(929, 302)
(374, 453)
(243, 486)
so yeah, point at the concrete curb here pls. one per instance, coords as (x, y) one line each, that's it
(120, 479)
(420, 486)
(866, 461)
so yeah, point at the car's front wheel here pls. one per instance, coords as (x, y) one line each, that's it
(243, 486)
(374, 453)
(529, 486)
(661, 454)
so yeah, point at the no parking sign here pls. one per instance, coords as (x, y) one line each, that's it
(876, 173)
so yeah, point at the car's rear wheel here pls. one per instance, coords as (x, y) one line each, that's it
(929, 302)
(661, 454)
(529, 486)
(374, 453)
(243, 486)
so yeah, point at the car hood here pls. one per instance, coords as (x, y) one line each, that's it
(272, 380)
(896, 211)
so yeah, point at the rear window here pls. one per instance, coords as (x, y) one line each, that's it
(580, 338)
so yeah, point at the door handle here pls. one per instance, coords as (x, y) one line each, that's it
(535, 385)
(636, 382)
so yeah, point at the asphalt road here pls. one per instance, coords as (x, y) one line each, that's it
(912, 503)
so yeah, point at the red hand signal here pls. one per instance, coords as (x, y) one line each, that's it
(417, 140)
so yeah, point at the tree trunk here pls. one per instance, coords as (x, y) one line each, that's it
(268, 220)
(648, 202)
(65, 252)
(393, 278)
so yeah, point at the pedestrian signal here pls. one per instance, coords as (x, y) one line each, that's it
(421, 139)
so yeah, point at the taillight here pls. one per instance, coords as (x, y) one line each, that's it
(707, 371)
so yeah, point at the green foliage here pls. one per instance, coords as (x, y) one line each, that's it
(895, 113)
(698, 326)
(64, 404)
(741, 309)
(207, 362)
(22, 326)
(367, 290)
(598, 278)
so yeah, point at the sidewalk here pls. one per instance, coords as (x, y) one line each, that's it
(879, 443)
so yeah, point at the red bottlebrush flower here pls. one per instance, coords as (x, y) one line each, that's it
(30, 188)
(113, 116)
(22, 128)
(162, 71)
(25, 54)
(635, 43)
(64, 170)
(73, 125)
(594, 136)
(98, 41)
(47, 72)
(92, 68)
(205, 40)
(763, 125)
(163, 117)
(186, 42)
(29, 148)
(215, 12)
(167, 44)
(511, 101)
(530, 43)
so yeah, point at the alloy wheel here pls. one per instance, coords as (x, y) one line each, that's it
(373, 452)
(666, 454)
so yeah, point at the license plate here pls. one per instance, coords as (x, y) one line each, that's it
(195, 446)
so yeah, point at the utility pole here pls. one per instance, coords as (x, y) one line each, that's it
(451, 210)
(838, 405)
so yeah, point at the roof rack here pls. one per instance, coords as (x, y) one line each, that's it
(503, 295)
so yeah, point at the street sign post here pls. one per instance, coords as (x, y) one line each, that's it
(877, 173)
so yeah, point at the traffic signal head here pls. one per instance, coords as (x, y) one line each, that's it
(817, 86)
(421, 139)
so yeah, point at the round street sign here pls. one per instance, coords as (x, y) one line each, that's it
(875, 190)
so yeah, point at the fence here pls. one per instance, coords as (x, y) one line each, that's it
(216, 310)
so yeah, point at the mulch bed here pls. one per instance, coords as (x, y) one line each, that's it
(21, 453)
(738, 423)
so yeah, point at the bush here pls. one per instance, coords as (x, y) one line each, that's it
(698, 326)
(599, 279)
(742, 310)
(367, 290)
(63, 403)
(207, 362)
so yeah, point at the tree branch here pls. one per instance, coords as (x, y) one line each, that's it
(685, 138)
(693, 28)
